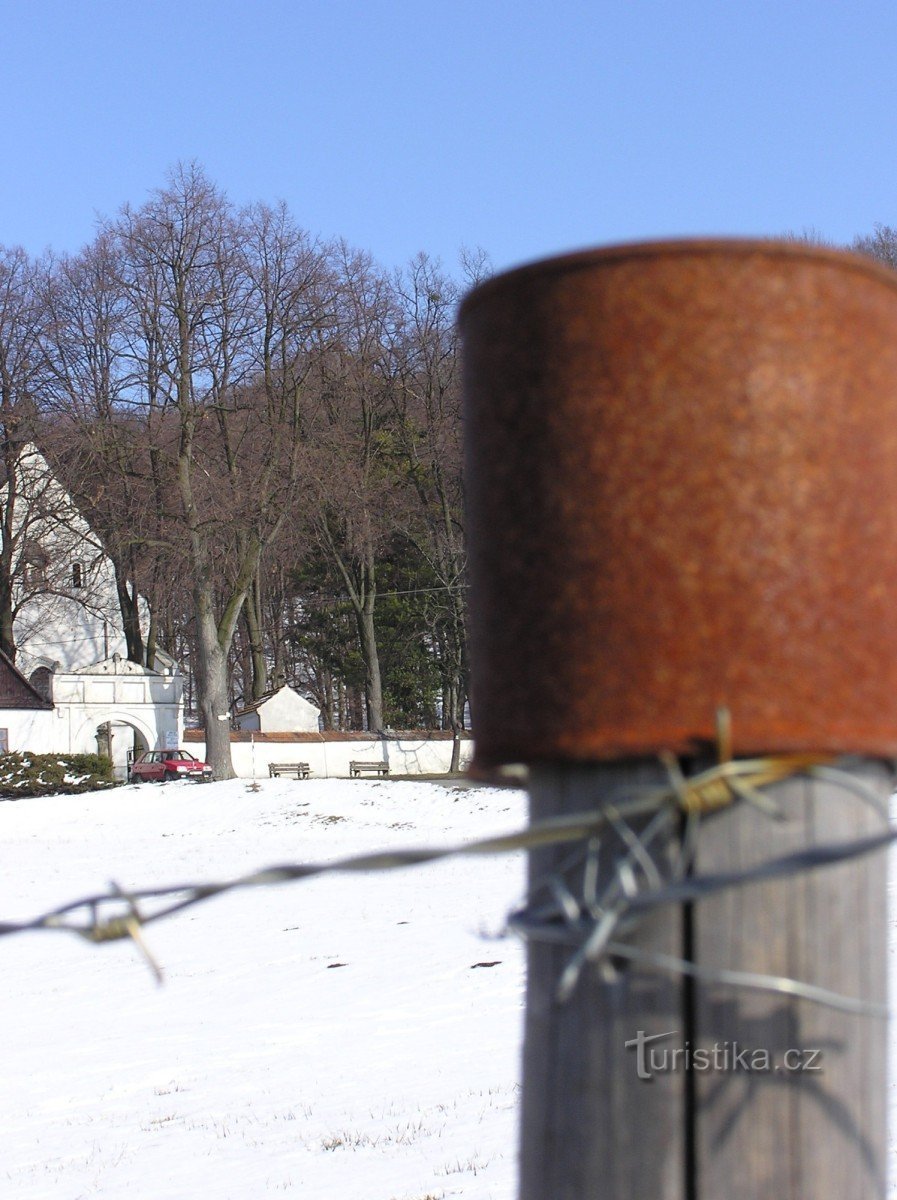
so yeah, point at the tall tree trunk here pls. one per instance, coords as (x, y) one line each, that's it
(361, 587)
(212, 685)
(241, 668)
(373, 684)
(455, 764)
(129, 605)
(355, 713)
(213, 638)
(7, 641)
(252, 615)
(7, 542)
(277, 627)
(455, 721)
(327, 712)
(152, 635)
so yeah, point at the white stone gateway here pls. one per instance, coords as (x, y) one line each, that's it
(119, 708)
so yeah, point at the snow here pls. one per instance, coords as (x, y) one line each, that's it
(341, 1036)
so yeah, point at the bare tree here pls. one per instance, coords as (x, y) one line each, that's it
(427, 366)
(881, 245)
(291, 288)
(22, 319)
(244, 399)
(809, 236)
(353, 449)
(220, 316)
(101, 457)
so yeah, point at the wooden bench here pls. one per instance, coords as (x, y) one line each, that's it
(357, 769)
(299, 770)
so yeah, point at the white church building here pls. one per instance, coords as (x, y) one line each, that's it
(72, 687)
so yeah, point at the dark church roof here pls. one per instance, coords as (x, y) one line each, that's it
(15, 690)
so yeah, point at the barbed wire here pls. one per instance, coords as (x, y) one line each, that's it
(589, 920)
(589, 917)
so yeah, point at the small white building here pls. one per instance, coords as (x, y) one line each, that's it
(283, 711)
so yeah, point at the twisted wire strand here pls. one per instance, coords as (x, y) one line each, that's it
(590, 923)
(592, 926)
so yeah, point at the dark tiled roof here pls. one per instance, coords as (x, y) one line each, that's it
(15, 690)
(330, 735)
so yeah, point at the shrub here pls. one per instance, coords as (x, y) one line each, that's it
(53, 774)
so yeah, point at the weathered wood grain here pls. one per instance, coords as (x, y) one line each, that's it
(590, 1126)
(795, 1133)
(593, 1130)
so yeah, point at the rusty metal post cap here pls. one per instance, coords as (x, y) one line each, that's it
(681, 470)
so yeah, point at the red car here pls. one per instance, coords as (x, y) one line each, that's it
(163, 766)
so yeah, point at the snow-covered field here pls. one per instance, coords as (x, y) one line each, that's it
(354, 1037)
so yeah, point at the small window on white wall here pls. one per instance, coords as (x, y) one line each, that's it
(4, 741)
(42, 681)
(77, 575)
(35, 560)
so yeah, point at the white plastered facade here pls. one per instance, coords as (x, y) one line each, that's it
(68, 629)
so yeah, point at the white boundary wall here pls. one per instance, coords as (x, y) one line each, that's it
(37, 730)
(329, 759)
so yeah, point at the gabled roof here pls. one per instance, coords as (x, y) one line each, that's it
(116, 665)
(15, 689)
(255, 705)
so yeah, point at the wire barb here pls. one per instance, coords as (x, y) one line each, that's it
(591, 923)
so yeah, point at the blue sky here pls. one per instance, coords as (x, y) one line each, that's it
(523, 128)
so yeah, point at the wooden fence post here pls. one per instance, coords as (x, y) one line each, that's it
(590, 1127)
(791, 1101)
(681, 488)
